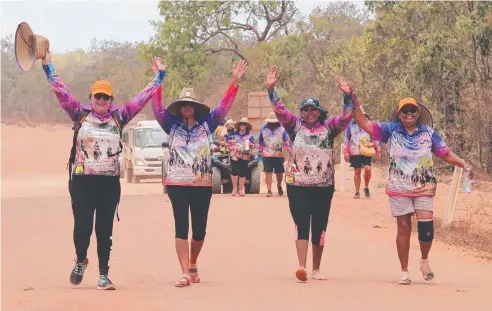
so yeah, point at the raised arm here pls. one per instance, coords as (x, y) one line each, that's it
(346, 143)
(67, 101)
(287, 119)
(136, 104)
(163, 117)
(339, 123)
(261, 142)
(286, 141)
(218, 113)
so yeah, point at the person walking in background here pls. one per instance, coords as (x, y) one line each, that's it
(359, 149)
(240, 145)
(272, 142)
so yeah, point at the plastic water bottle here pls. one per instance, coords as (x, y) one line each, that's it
(466, 181)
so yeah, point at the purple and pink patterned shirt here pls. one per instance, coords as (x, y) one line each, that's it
(411, 172)
(190, 162)
(353, 135)
(310, 162)
(98, 138)
(272, 142)
(240, 146)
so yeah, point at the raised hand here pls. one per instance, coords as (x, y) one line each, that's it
(47, 58)
(157, 65)
(343, 85)
(237, 73)
(272, 77)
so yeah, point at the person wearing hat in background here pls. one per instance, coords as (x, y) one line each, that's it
(310, 167)
(240, 145)
(359, 148)
(411, 186)
(190, 124)
(95, 186)
(271, 143)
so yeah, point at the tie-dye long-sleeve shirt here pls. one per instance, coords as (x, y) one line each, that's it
(353, 135)
(411, 172)
(98, 138)
(190, 162)
(272, 141)
(310, 162)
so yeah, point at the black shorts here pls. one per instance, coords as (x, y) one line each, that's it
(359, 161)
(271, 164)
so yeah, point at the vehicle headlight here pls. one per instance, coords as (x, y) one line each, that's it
(139, 162)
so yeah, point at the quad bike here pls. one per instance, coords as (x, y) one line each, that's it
(221, 175)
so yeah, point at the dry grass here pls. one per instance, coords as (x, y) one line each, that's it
(470, 233)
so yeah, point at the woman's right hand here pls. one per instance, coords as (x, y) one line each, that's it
(47, 58)
(272, 77)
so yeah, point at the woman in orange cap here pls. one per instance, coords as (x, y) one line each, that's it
(411, 186)
(95, 186)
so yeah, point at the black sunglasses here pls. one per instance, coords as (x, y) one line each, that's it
(309, 108)
(103, 96)
(407, 110)
(242, 123)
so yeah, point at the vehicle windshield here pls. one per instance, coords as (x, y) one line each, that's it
(149, 137)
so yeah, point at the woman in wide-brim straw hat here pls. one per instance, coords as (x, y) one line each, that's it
(95, 186)
(310, 170)
(190, 125)
(411, 185)
(240, 144)
(272, 141)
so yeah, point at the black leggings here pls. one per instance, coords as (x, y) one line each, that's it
(100, 194)
(239, 167)
(196, 199)
(310, 206)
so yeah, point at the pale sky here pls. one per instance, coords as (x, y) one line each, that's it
(71, 24)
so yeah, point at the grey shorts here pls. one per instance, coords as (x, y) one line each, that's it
(405, 205)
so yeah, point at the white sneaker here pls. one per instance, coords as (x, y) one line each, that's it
(405, 278)
(426, 270)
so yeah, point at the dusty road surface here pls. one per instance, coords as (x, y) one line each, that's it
(248, 261)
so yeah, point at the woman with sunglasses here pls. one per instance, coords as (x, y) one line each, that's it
(240, 145)
(190, 124)
(95, 186)
(411, 186)
(310, 168)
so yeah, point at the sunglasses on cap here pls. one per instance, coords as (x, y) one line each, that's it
(409, 109)
(102, 95)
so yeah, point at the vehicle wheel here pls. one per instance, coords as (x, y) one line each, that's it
(255, 182)
(227, 188)
(216, 180)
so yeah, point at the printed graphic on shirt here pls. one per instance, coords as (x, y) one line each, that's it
(411, 170)
(97, 142)
(190, 157)
(273, 142)
(310, 162)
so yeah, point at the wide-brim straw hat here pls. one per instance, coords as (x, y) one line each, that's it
(425, 117)
(29, 47)
(272, 118)
(243, 120)
(187, 96)
(229, 122)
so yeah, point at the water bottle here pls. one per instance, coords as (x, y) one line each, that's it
(466, 181)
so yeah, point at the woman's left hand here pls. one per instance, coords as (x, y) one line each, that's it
(343, 85)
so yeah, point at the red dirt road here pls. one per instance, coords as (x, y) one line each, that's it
(248, 261)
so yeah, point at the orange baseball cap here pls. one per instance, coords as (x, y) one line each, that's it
(407, 101)
(102, 86)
